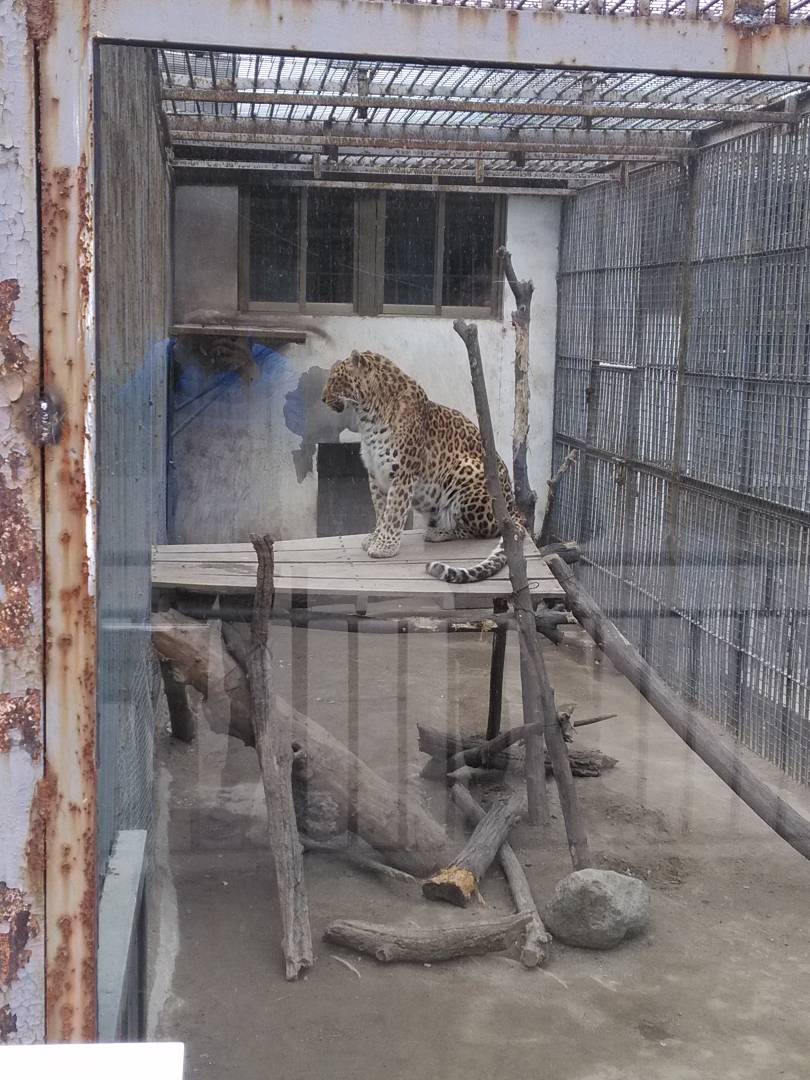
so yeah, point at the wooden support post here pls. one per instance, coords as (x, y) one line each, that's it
(537, 941)
(458, 884)
(538, 698)
(496, 674)
(274, 746)
(544, 536)
(525, 497)
(390, 943)
(698, 734)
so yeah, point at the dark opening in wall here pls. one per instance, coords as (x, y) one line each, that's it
(344, 500)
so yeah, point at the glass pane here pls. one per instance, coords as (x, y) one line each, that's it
(469, 224)
(330, 246)
(274, 244)
(410, 247)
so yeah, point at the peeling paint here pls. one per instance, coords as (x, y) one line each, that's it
(12, 350)
(43, 810)
(8, 1023)
(21, 715)
(17, 926)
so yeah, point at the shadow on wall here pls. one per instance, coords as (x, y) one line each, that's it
(306, 415)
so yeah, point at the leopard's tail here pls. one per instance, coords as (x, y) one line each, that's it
(466, 575)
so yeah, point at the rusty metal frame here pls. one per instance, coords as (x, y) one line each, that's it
(61, 38)
(24, 795)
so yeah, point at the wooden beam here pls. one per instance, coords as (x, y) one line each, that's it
(701, 736)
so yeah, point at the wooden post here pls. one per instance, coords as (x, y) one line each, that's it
(699, 735)
(274, 745)
(538, 697)
(537, 941)
(525, 497)
(543, 537)
(458, 884)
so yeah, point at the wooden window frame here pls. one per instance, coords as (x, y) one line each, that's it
(369, 250)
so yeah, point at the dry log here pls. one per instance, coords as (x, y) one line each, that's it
(525, 497)
(275, 750)
(396, 826)
(538, 697)
(701, 736)
(362, 862)
(441, 745)
(545, 528)
(567, 549)
(536, 944)
(392, 943)
(458, 883)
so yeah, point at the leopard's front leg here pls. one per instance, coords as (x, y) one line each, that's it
(378, 502)
(386, 539)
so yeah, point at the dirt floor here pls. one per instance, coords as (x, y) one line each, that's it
(718, 987)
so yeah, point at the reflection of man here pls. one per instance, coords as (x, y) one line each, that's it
(307, 416)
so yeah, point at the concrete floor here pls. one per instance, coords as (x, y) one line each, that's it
(718, 987)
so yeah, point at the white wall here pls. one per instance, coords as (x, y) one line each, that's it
(234, 466)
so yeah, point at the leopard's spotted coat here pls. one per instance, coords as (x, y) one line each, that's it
(419, 454)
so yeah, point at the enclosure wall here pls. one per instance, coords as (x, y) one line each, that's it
(249, 462)
(132, 187)
(683, 377)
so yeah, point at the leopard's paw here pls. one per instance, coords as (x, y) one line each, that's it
(367, 541)
(379, 549)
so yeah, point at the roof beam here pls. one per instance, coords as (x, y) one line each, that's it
(677, 91)
(344, 169)
(556, 142)
(443, 33)
(389, 185)
(597, 110)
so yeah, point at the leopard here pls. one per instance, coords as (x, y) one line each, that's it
(422, 455)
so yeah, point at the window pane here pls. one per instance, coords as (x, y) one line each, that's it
(410, 256)
(274, 244)
(469, 225)
(330, 246)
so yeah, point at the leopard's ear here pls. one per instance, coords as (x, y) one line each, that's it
(355, 357)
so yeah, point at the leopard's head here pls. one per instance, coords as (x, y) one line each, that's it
(351, 382)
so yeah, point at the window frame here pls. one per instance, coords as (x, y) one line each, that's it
(369, 243)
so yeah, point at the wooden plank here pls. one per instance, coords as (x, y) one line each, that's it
(263, 333)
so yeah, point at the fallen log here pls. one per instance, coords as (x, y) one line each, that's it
(394, 825)
(275, 750)
(398, 943)
(535, 948)
(356, 858)
(443, 746)
(567, 549)
(458, 883)
(698, 734)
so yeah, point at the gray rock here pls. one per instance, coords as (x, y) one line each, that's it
(597, 909)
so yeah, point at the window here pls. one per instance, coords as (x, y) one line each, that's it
(300, 248)
(382, 252)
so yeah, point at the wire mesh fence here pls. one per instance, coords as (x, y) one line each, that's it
(683, 376)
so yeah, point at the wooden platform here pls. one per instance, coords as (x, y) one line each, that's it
(337, 565)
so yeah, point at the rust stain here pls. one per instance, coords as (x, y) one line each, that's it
(22, 713)
(44, 807)
(85, 237)
(8, 1023)
(12, 350)
(39, 15)
(19, 567)
(17, 926)
(59, 976)
(56, 192)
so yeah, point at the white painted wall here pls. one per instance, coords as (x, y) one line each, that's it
(234, 469)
